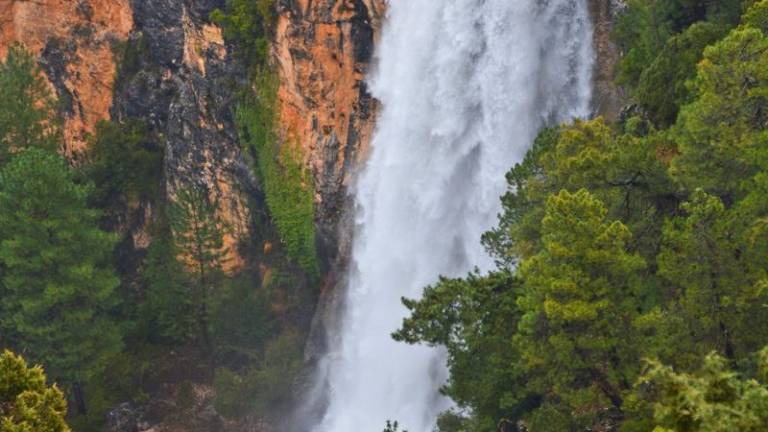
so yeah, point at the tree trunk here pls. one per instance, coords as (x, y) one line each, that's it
(79, 395)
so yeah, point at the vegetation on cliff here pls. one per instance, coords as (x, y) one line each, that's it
(113, 322)
(286, 181)
(643, 239)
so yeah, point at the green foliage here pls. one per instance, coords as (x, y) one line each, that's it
(578, 304)
(287, 183)
(168, 310)
(57, 281)
(242, 321)
(266, 387)
(27, 111)
(198, 237)
(713, 398)
(719, 303)
(663, 40)
(450, 421)
(757, 16)
(475, 319)
(662, 86)
(249, 24)
(722, 134)
(123, 163)
(27, 404)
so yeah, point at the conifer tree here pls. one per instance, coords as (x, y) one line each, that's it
(723, 134)
(58, 287)
(27, 404)
(198, 233)
(169, 309)
(578, 304)
(27, 111)
(713, 398)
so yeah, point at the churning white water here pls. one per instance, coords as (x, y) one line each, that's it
(465, 85)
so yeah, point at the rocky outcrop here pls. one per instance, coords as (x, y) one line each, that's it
(323, 50)
(178, 82)
(608, 98)
(75, 40)
(181, 85)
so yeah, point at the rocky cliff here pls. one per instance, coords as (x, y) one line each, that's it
(75, 41)
(178, 77)
(175, 80)
(608, 98)
(322, 51)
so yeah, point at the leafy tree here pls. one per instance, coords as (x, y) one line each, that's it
(27, 404)
(27, 112)
(242, 319)
(645, 26)
(198, 237)
(757, 16)
(662, 85)
(57, 283)
(265, 388)
(622, 170)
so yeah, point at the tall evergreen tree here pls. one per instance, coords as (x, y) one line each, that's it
(198, 233)
(719, 301)
(57, 282)
(27, 110)
(723, 134)
(578, 305)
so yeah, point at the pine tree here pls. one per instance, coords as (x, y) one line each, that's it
(169, 309)
(578, 305)
(198, 233)
(27, 110)
(58, 287)
(723, 134)
(713, 398)
(27, 404)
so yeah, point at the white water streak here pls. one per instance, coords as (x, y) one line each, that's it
(465, 86)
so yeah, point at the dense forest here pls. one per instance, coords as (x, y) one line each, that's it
(630, 290)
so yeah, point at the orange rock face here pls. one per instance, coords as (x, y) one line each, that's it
(75, 40)
(323, 49)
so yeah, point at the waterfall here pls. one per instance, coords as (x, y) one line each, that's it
(464, 85)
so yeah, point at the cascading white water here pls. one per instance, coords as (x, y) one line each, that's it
(465, 85)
